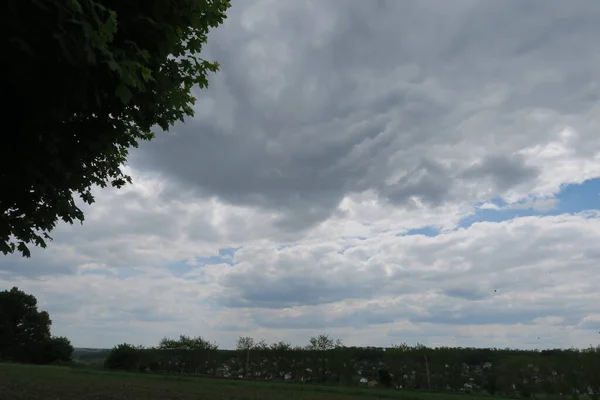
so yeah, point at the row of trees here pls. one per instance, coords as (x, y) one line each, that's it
(25, 337)
(328, 361)
(25, 331)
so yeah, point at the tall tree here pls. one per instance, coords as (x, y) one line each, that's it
(245, 344)
(25, 331)
(317, 346)
(323, 342)
(82, 82)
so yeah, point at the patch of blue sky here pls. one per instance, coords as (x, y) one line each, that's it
(184, 267)
(571, 199)
(429, 231)
(360, 238)
(127, 272)
(286, 246)
(577, 198)
(180, 268)
(497, 215)
(225, 256)
(228, 251)
(101, 272)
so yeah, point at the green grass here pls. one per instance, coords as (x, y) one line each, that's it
(26, 382)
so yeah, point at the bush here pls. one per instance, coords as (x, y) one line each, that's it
(58, 349)
(123, 357)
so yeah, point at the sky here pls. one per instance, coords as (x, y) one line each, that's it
(379, 171)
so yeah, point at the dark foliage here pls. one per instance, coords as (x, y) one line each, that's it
(385, 378)
(124, 357)
(503, 372)
(25, 331)
(82, 82)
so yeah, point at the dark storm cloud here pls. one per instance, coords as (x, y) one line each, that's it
(428, 181)
(504, 171)
(42, 262)
(307, 110)
(468, 313)
(357, 320)
(421, 102)
(481, 316)
(466, 293)
(296, 289)
(291, 292)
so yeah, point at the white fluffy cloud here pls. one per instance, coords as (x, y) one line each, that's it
(326, 180)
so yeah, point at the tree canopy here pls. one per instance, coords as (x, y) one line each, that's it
(25, 331)
(186, 343)
(83, 82)
(323, 343)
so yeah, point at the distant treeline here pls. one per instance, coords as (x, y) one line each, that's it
(562, 372)
(90, 356)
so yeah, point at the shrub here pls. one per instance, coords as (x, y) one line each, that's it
(123, 357)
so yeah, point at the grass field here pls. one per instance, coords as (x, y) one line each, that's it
(25, 382)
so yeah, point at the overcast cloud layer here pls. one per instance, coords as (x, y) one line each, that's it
(382, 171)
